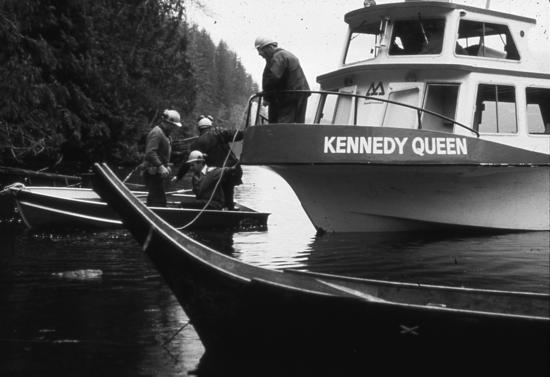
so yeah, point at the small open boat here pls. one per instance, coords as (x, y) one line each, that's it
(10, 175)
(246, 312)
(69, 207)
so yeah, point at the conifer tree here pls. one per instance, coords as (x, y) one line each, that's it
(84, 80)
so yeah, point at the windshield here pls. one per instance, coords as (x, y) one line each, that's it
(364, 42)
(414, 37)
(484, 39)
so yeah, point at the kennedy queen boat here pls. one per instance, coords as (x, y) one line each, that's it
(438, 117)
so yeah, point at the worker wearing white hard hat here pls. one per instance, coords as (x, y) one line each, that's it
(196, 156)
(262, 42)
(205, 180)
(204, 122)
(282, 72)
(156, 161)
(214, 142)
(172, 117)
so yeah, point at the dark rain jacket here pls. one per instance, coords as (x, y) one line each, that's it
(283, 72)
(204, 184)
(157, 149)
(215, 143)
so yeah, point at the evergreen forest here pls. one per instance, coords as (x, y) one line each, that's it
(84, 80)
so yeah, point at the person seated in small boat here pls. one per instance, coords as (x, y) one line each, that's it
(214, 143)
(207, 182)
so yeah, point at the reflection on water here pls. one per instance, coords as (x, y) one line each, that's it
(518, 261)
(514, 261)
(510, 261)
(114, 325)
(125, 321)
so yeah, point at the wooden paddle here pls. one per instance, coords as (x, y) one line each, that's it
(182, 191)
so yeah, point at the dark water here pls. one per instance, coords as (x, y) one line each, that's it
(121, 319)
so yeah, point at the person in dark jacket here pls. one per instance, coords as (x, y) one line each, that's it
(214, 143)
(157, 156)
(204, 181)
(282, 72)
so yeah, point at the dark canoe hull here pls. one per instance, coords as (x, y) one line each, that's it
(41, 211)
(242, 312)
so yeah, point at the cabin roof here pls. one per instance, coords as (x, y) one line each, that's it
(383, 10)
(466, 68)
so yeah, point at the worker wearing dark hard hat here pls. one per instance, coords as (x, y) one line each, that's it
(214, 143)
(204, 181)
(282, 72)
(157, 156)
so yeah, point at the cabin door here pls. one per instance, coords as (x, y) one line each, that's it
(397, 115)
(338, 109)
(441, 99)
(343, 114)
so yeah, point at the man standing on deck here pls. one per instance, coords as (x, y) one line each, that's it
(157, 156)
(214, 143)
(282, 72)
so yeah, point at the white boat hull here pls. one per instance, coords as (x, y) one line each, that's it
(376, 198)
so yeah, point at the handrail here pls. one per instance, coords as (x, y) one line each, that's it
(326, 92)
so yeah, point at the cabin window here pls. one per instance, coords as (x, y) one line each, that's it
(496, 109)
(441, 99)
(414, 37)
(538, 110)
(364, 42)
(487, 40)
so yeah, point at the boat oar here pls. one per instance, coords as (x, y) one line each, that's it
(182, 191)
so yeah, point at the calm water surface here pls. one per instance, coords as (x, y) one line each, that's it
(121, 319)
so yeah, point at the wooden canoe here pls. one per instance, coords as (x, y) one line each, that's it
(61, 208)
(243, 312)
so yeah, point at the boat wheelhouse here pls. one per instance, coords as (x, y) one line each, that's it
(438, 116)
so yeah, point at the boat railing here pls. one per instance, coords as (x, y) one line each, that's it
(257, 111)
